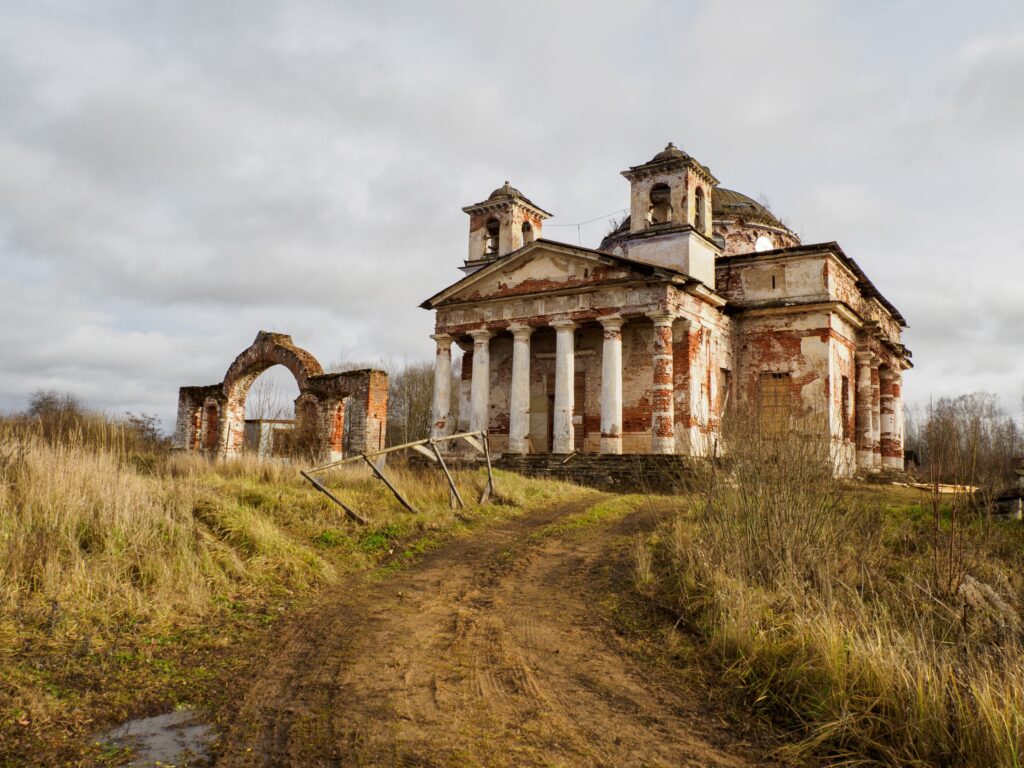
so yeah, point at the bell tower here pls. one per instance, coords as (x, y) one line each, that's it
(670, 214)
(504, 222)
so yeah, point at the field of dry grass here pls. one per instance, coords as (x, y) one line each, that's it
(131, 582)
(875, 628)
(877, 632)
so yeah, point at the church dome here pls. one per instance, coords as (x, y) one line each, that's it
(505, 190)
(670, 152)
(727, 204)
(740, 223)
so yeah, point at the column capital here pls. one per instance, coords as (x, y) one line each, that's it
(481, 334)
(444, 340)
(662, 317)
(885, 373)
(521, 330)
(565, 324)
(864, 356)
(612, 322)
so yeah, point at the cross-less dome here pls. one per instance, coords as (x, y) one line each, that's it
(505, 190)
(727, 204)
(670, 152)
(737, 220)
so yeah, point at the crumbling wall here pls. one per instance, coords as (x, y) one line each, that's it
(211, 419)
(739, 237)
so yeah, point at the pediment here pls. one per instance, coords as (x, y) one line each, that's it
(539, 268)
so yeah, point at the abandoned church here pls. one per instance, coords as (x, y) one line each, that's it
(700, 298)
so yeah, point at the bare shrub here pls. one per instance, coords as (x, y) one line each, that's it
(774, 507)
(827, 616)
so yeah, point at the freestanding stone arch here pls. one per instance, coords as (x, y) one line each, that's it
(211, 419)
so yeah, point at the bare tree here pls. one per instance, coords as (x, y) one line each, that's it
(267, 399)
(968, 445)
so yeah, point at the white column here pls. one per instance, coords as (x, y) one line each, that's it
(519, 400)
(662, 411)
(441, 413)
(611, 385)
(565, 375)
(481, 385)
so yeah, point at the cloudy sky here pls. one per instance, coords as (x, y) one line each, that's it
(175, 176)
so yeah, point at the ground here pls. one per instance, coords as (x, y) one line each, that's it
(517, 644)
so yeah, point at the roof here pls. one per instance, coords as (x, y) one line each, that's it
(670, 157)
(640, 266)
(729, 204)
(506, 192)
(863, 283)
(670, 152)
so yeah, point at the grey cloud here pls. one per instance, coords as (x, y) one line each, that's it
(177, 177)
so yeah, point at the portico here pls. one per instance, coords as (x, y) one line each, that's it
(557, 385)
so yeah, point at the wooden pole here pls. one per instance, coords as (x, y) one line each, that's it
(383, 479)
(451, 482)
(348, 510)
(489, 488)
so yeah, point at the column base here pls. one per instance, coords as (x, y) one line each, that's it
(611, 445)
(562, 445)
(893, 462)
(663, 445)
(518, 446)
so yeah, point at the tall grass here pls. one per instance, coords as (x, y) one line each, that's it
(95, 533)
(821, 611)
(85, 530)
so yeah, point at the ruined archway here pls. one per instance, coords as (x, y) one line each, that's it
(212, 419)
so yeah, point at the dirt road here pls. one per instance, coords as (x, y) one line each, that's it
(499, 649)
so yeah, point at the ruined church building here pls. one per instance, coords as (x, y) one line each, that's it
(701, 297)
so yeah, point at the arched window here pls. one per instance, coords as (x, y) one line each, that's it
(699, 219)
(527, 232)
(493, 229)
(763, 243)
(660, 211)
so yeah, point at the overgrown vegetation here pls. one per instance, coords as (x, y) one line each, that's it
(826, 608)
(132, 577)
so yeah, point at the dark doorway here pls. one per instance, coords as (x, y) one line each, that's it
(579, 410)
(551, 423)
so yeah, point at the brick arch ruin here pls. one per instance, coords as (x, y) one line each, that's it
(339, 413)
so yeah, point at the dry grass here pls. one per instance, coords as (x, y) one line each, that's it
(113, 562)
(817, 601)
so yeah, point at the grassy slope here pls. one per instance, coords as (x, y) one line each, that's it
(876, 669)
(128, 588)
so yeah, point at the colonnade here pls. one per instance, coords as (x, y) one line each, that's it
(563, 429)
(879, 414)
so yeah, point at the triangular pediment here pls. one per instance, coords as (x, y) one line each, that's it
(541, 267)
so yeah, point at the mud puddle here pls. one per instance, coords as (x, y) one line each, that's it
(176, 739)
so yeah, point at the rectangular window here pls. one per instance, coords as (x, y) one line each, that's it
(775, 401)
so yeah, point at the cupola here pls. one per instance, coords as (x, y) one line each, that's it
(504, 222)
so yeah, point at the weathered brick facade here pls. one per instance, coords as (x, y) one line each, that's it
(699, 298)
(338, 413)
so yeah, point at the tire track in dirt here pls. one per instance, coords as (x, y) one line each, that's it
(492, 651)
